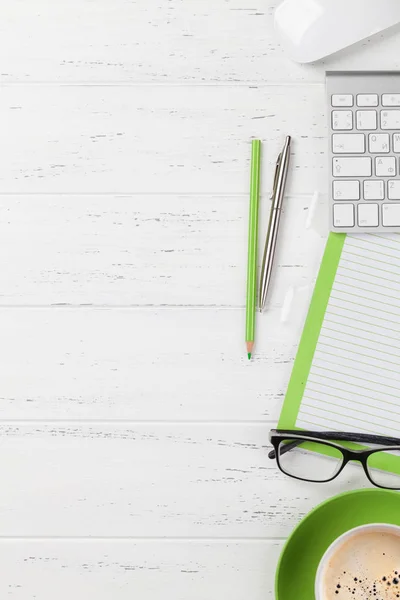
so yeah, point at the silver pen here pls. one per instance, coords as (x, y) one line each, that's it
(278, 191)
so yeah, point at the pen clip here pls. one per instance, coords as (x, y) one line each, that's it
(278, 162)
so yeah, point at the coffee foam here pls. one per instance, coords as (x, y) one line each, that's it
(365, 567)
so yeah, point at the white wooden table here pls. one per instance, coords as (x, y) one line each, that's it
(134, 432)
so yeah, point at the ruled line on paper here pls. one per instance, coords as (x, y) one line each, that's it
(326, 405)
(343, 273)
(314, 406)
(395, 301)
(369, 252)
(362, 330)
(385, 237)
(351, 354)
(379, 277)
(366, 335)
(314, 394)
(365, 265)
(351, 310)
(359, 289)
(342, 343)
(349, 376)
(346, 302)
(340, 318)
(385, 265)
(354, 380)
(372, 242)
(372, 368)
(342, 389)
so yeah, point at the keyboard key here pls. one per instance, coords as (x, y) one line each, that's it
(343, 215)
(366, 119)
(367, 100)
(374, 189)
(385, 166)
(391, 215)
(368, 215)
(348, 143)
(349, 166)
(379, 142)
(342, 100)
(390, 119)
(394, 189)
(396, 142)
(390, 99)
(346, 190)
(342, 119)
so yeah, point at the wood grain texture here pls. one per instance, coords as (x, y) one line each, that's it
(133, 432)
(150, 480)
(102, 139)
(152, 41)
(143, 250)
(123, 569)
(161, 364)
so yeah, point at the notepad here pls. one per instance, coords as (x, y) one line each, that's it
(346, 376)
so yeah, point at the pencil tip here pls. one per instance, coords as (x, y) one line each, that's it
(249, 355)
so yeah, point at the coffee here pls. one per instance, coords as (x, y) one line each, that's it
(365, 566)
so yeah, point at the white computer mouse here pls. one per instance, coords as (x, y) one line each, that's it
(312, 29)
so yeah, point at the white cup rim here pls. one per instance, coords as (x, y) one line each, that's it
(340, 540)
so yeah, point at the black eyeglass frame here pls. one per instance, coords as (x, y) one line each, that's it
(329, 438)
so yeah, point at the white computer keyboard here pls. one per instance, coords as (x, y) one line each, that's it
(364, 151)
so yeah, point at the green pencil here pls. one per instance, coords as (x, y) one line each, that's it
(252, 246)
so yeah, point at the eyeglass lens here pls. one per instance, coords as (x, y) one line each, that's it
(312, 461)
(384, 468)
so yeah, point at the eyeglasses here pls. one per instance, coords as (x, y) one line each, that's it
(317, 457)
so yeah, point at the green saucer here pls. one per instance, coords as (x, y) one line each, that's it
(297, 566)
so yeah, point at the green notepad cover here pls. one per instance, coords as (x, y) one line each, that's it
(311, 331)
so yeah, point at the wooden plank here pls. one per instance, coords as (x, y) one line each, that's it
(107, 139)
(143, 250)
(143, 364)
(150, 480)
(153, 41)
(123, 569)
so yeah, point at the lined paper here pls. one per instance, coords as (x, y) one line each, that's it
(354, 380)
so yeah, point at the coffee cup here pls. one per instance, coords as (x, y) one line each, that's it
(361, 564)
